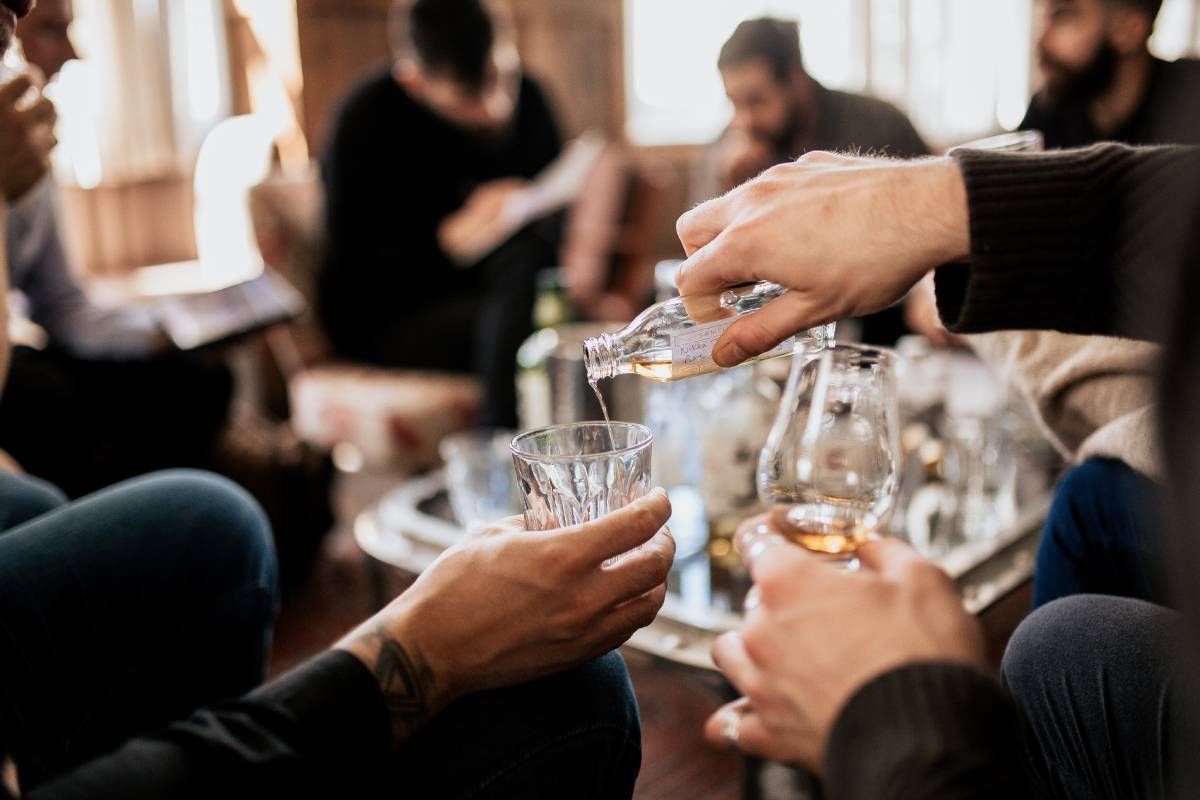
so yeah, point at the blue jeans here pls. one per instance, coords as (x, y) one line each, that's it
(1102, 535)
(125, 610)
(576, 734)
(128, 609)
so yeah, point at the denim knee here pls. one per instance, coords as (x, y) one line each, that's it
(1081, 633)
(1086, 492)
(24, 498)
(223, 529)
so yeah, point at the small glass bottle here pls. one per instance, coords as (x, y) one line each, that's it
(674, 339)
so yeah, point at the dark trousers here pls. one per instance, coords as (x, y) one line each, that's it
(1102, 535)
(476, 328)
(1109, 687)
(126, 610)
(575, 734)
(85, 424)
(129, 609)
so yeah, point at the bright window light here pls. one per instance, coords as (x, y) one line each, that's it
(1176, 29)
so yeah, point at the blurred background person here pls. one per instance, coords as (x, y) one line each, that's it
(424, 158)
(107, 397)
(1100, 82)
(46, 36)
(1093, 395)
(781, 112)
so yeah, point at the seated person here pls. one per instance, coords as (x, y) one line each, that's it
(110, 692)
(1094, 399)
(781, 112)
(423, 159)
(1094, 394)
(104, 400)
(132, 620)
(1100, 82)
(878, 678)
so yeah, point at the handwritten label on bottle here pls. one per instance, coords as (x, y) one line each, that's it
(691, 348)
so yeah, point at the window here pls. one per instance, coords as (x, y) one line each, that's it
(151, 82)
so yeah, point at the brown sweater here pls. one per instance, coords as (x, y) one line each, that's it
(1093, 396)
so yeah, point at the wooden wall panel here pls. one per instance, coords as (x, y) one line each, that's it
(573, 46)
(113, 229)
(340, 41)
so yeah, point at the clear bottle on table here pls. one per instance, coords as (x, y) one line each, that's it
(673, 340)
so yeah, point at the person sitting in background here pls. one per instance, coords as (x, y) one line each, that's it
(1094, 394)
(1094, 399)
(878, 678)
(106, 398)
(423, 158)
(1100, 82)
(46, 36)
(781, 112)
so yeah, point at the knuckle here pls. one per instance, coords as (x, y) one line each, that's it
(923, 578)
(646, 520)
(770, 574)
(664, 560)
(573, 620)
(755, 638)
(818, 158)
(755, 689)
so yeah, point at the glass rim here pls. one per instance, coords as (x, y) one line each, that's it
(1026, 141)
(514, 447)
(883, 353)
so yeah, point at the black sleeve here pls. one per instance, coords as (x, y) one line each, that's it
(1082, 241)
(320, 730)
(925, 732)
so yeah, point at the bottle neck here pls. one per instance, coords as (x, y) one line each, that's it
(600, 357)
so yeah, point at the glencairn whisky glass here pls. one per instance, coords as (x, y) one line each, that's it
(828, 473)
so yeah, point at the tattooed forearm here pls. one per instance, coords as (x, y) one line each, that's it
(405, 680)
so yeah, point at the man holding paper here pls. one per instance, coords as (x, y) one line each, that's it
(434, 238)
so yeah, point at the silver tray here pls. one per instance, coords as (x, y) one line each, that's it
(411, 526)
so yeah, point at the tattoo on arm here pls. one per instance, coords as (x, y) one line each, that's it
(406, 682)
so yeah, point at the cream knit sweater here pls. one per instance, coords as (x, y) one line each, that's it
(1092, 395)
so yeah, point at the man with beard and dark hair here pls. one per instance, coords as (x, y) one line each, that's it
(781, 112)
(425, 157)
(1100, 82)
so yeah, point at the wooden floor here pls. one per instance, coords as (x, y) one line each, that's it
(674, 703)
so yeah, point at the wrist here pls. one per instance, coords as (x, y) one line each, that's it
(950, 226)
(413, 689)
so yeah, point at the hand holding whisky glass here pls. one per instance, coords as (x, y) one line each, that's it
(828, 473)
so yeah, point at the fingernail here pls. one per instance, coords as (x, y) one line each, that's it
(729, 355)
(658, 490)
